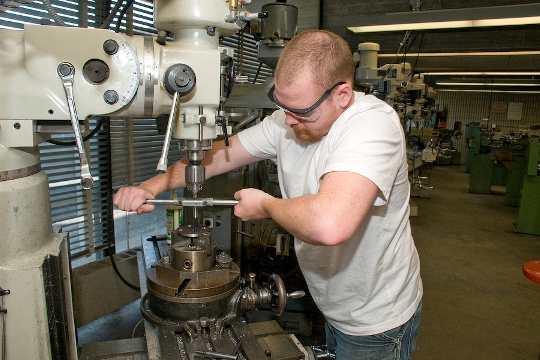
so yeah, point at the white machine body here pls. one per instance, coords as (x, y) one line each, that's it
(33, 99)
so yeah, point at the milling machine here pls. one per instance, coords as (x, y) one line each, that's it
(395, 84)
(195, 295)
(411, 98)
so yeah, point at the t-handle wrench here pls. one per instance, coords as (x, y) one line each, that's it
(66, 71)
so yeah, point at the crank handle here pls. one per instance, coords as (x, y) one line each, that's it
(296, 294)
(293, 295)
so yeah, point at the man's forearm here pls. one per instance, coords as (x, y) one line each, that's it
(218, 160)
(173, 178)
(302, 218)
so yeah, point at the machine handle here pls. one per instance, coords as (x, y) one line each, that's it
(162, 164)
(296, 294)
(225, 135)
(66, 71)
(193, 202)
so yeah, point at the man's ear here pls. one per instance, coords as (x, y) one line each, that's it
(345, 95)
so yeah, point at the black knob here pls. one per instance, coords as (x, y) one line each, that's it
(110, 97)
(96, 71)
(110, 47)
(65, 69)
(179, 78)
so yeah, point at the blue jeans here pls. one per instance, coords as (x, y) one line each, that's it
(395, 344)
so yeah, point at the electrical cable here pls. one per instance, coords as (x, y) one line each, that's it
(393, 62)
(87, 137)
(231, 76)
(110, 220)
(122, 13)
(257, 73)
(418, 52)
(57, 19)
(113, 262)
(135, 328)
(110, 18)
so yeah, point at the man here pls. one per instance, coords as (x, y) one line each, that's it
(344, 179)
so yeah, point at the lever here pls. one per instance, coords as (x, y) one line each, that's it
(296, 294)
(222, 120)
(162, 164)
(66, 71)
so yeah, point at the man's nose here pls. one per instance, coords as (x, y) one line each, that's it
(290, 119)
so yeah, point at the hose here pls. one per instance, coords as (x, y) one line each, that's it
(87, 137)
(122, 13)
(53, 13)
(110, 18)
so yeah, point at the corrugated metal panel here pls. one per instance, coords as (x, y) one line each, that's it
(469, 107)
(136, 149)
(36, 13)
(85, 214)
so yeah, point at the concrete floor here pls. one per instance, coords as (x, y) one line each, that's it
(477, 303)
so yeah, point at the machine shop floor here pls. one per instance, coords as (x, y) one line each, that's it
(477, 303)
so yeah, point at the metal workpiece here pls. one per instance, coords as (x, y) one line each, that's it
(192, 249)
(193, 202)
(66, 71)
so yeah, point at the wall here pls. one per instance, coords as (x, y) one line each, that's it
(470, 107)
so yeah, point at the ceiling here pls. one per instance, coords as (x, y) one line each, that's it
(478, 51)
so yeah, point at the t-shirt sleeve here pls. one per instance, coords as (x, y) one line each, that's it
(372, 145)
(261, 140)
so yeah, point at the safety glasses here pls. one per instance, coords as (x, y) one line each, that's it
(311, 113)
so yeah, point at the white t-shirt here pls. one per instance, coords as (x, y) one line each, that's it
(370, 283)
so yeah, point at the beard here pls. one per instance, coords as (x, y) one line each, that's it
(309, 136)
(306, 135)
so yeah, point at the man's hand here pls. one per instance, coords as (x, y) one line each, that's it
(249, 205)
(133, 198)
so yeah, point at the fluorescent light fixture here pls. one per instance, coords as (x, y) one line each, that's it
(478, 73)
(485, 84)
(489, 91)
(454, 54)
(524, 14)
(412, 26)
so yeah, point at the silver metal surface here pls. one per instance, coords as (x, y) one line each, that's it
(152, 341)
(123, 349)
(214, 355)
(149, 78)
(162, 164)
(66, 71)
(193, 202)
